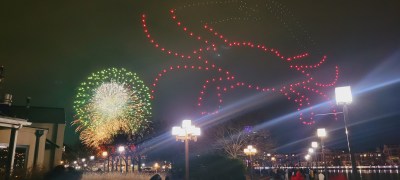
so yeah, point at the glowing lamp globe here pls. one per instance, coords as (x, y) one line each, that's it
(321, 132)
(104, 153)
(177, 131)
(343, 95)
(121, 149)
(186, 124)
(307, 157)
(196, 131)
(314, 144)
(250, 150)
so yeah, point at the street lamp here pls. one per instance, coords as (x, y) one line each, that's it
(314, 144)
(186, 133)
(121, 149)
(156, 166)
(105, 154)
(307, 157)
(91, 158)
(344, 97)
(250, 151)
(311, 151)
(321, 133)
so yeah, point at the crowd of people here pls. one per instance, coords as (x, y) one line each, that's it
(297, 174)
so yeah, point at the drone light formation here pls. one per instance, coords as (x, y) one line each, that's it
(300, 92)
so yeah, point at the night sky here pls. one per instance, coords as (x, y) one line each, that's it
(49, 47)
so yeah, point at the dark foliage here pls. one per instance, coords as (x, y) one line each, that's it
(212, 167)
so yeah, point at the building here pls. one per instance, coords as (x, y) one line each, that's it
(392, 154)
(39, 144)
(7, 157)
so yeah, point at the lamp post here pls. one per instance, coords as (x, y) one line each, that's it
(105, 154)
(250, 150)
(91, 158)
(344, 97)
(321, 133)
(311, 151)
(314, 145)
(121, 150)
(186, 133)
(307, 157)
(156, 166)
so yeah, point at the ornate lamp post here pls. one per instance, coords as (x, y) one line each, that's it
(344, 97)
(186, 133)
(250, 151)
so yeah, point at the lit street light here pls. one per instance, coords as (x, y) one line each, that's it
(156, 166)
(314, 144)
(321, 133)
(186, 133)
(105, 154)
(311, 151)
(344, 97)
(307, 157)
(91, 158)
(121, 149)
(250, 151)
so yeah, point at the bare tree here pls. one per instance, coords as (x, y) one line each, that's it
(232, 140)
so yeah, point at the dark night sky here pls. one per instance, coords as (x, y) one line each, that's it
(49, 47)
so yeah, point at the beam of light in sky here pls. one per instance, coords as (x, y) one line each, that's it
(337, 127)
(385, 73)
(369, 84)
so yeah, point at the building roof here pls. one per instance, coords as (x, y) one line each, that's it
(13, 122)
(35, 114)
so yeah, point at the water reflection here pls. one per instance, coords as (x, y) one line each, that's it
(344, 172)
(364, 174)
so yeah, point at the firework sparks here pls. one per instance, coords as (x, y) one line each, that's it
(111, 100)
